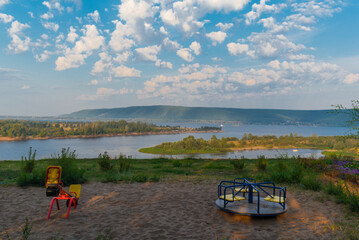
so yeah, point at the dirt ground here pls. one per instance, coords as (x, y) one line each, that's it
(164, 210)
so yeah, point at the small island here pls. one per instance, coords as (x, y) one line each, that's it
(345, 145)
(17, 130)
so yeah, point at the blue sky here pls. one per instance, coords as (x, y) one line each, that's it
(60, 56)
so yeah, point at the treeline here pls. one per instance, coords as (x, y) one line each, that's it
(322, 142)
(23, 128)
(248, 141)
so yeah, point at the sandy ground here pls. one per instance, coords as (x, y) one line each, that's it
(181, 210)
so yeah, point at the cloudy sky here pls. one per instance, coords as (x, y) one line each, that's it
(60, 56)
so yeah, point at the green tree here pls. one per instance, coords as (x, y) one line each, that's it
(353, 113)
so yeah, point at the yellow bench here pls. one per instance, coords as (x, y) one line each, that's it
(274, 199)
(229, 197)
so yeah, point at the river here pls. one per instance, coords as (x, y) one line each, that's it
(129, 145)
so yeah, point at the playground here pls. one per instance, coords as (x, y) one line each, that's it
(164, 210)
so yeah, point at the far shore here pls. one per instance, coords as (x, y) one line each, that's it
(10, 139)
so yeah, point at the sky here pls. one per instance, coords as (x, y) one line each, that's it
(61, 56)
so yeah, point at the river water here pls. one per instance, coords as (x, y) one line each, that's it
(129, 145)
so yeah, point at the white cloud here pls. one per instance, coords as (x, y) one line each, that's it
(172, 45)
(120, 40)
(6, 18)
(185, 54)
(47, 16)
(53, 4)
(238, 48)
(95, 16)
(149, 53)
(19, 43)
(31, 14)
(317, 8)
(101, 93)
(25, 87)
(51, 26)
(101, 65)
(217, 37)
(224, 26)
(93, 82)
(351, 78)
(123, 57)
(123, 71)
(163, 64)
(185, 14)
(262, 7)
(43, 56)
(163, 30)
(195, 47)
(83, 48)
(4, 2)
(72, 36)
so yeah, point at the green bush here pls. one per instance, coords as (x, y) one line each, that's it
(261, 163)
(139, 178)
(112, 176)
(238, 164)
(311, 181)
(176, 163)
(28, 164)
(155, 178)
(124, 163)
(70, 173)
(36, 178)
(104, 161)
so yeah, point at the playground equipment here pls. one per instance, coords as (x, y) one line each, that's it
(270, 200)
(54, 188)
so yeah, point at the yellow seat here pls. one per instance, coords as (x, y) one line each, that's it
(244, 190)
(53, 175)
(229, 197)
(75, 190)
(274, 199)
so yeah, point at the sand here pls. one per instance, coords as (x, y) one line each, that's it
(164, 210)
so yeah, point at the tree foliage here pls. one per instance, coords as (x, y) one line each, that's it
(353, 113)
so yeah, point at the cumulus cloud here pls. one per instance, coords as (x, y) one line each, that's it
(351, 78)
(72, 36)
(101, 93)
(6, 18)
(101, 65)
(224, 26)
(95, 16)
(51, 26)
(149, 53)
(238, 48)
(217, 37)
(123, 71)
(123, 57)
(4, 2)
(47, 16)
(93, 82)
(185, 54)
(172, 45)
(262, 7)
(185, 15)
(83, 48)
(120, 37)
(196, 48)
(317, 8)
(19, 43)
(53, 4)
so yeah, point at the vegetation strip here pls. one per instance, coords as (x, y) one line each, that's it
(341, 144)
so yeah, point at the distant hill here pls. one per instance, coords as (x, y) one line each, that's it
(243, 116)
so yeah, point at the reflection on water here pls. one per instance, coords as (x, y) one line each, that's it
(129, 145)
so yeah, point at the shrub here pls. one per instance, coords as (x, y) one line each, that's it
(112, 176)
(36, 178)
(155, 178)
(28, 164)
(176, 163)
(311, 182)
(104, 161)
(70, 172)
(139, 178)
(238, 164)
(261, 163)
(124, 163)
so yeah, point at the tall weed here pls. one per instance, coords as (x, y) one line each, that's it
(28, 163)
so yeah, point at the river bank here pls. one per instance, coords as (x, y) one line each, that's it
(11, 139)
